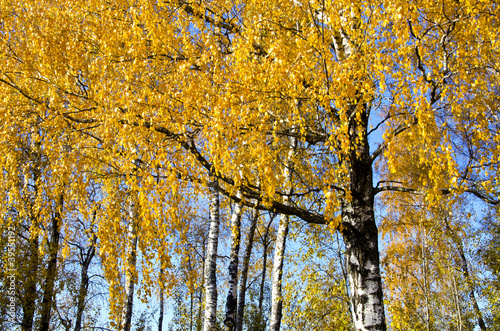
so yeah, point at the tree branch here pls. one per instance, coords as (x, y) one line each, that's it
(218, 22)
(478, 194)
(277, 207)
(396, 132)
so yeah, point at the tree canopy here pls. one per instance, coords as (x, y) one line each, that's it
(303, 108)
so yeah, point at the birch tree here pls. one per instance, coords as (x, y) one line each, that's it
(131, 256)
(242, 286)
(232, 295)
(210, 262)
(192, 81)
(87, 255)
(280, 246)
(53, 246)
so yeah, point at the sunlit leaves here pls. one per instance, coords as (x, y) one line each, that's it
(149, 97)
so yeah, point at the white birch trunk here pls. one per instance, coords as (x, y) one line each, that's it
(426, 283)
(361, 234)
(130, 273)
(359, 228)
(160, 318)
(279, 250)
(276, 291)
(363, 268)
(232, 294)
(244, 271)
(211, 262)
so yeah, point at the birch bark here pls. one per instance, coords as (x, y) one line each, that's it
(276, 290)
(130, 274)
(359, 229)
(279, 251)
(211, 261)
(232, 294)
(360, 232)
(244, 271)
(160, 318)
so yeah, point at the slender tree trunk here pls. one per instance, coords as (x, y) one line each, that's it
(262, 282)
(360, 231)
(279, 251)
(200, 308)
(465, 271)
(191, 287)
(457, 300)
(424, 271)
(276, 293)
(30, 294)
(211, 262)
(199, 319)
(191, 304)
(472, 295)
(48, 293)
(84, 283)
(160, 318)
(265, 243)
(232, 294)
(130, 274)
(244, 270)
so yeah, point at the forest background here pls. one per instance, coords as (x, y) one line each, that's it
(295, 165)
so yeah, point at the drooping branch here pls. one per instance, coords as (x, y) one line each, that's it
(394, 188)
(247, 192)
(277, 207)
(186, 141)
(483, 197)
